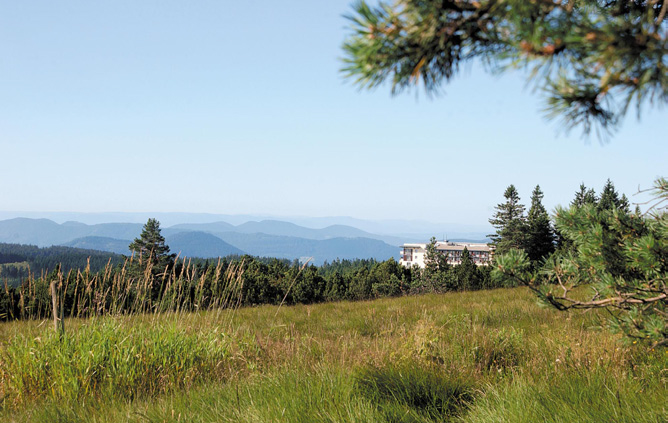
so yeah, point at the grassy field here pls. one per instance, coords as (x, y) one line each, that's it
(485, 356)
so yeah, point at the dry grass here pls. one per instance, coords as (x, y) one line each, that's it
(490, 339)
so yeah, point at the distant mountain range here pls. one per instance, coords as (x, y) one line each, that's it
(101, 243)
(281, 228)
(189, 244)
(266, 238)
(45, 233)
(407, 230)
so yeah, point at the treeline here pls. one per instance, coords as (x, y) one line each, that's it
(19, 262)
(620, 256)
(534, 232)
(154, 281)
(198, 284)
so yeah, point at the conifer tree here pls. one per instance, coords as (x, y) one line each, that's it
(150, 249)
(584, 196)
(467, 273)
(593, 59)
(510, 223)
(624, 204)
(611, 200)
(621, 257)
(436, 272)
(540, 234)
(434, 260)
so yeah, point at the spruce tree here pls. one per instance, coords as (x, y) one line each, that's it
(584, 196)
(610, 199)
(619, 256)
(150, 249)
(540, 234)
(467, 273)
(434, 260)
(510, 223)
(435, 275)
(624, 204)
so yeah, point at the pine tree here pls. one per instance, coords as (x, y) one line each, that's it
(150, 249)
(620, 256)
(510, 223)
(540, 234)
(593, 59)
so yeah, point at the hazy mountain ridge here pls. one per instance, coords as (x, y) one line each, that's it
(100, 243)
(200, 244)
(265, 245)
(185, 244)
(206, 240)
(45, 233)
(281, 228)
(205, 245)
(204, 227)
(406, 229)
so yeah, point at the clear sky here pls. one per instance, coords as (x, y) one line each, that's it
(239, 107)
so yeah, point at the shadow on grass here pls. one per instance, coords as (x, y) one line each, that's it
(409, 392)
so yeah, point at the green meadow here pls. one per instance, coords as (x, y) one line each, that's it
(484, 356)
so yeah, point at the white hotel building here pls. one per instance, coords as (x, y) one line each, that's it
(414, 254)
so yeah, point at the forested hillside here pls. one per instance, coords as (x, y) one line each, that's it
(18, 261)
(267, 238)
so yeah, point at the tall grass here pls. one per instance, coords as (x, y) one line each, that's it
(107, 359)
(412, 392)
(130, 289)
(106, 355)
(593, 396)
(473, 357)
(285, 395)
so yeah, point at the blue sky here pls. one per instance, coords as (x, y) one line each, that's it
(240, 108)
